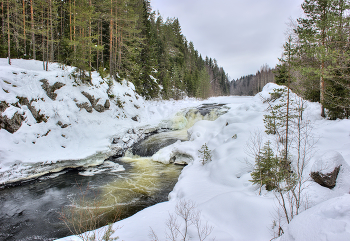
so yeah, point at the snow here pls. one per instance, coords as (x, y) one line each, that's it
(329, 220)
(221, 189)
(328, 162)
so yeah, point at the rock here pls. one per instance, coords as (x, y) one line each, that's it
(126, 139)
(50, 89)
(182, 159)
(11, 125)
(107, 104)
(325, 170)
(85, 106)
(135, 118)
(90, 98)
(93, 101)
(131, 131)
(99, 108)
(115, 140)
(36, 114)
(3, 106)
(328, 180)
(59, 123)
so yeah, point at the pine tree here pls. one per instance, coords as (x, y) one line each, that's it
(145, 84)
(315, 33)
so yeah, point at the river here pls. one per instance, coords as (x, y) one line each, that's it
(120, 187)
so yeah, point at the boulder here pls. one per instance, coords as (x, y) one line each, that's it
(36, 114)
(3, 106)
(59, 123)
(107, 104)
(91, 98)
(99, 108)
(93, 102)
(11, 125)
(135, 118)
(85, 106)
(50, 89)
(326, 169)
(328, 180)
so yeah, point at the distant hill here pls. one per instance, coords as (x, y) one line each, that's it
(252, 84)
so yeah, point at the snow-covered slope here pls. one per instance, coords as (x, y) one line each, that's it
(227, 199)
(57, 121)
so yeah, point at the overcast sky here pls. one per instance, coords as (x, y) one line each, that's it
(241, 35)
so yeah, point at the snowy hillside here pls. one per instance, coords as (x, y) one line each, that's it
(221, 190)
(54, 121)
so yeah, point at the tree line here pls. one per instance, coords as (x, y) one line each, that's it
(316, 58)
(252, 84)
(118, 38)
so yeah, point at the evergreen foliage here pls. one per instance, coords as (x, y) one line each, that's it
(205, 154)
(121, 37)
(321, 54)
(272, 171)
(275, 121)
(266, 167)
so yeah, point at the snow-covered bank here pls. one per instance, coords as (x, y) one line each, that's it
(59, 122)
(227, 199)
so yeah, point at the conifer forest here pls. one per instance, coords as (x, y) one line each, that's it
(118, 38)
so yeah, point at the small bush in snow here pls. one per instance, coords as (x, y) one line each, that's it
(189, 216)
(205, 154)
(120, 103)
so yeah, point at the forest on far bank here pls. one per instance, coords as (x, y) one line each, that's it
(119, 39)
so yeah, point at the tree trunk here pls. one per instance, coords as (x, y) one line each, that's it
(70, 20)
(322, 90)
(8, 33)
(111, 55)
(32, 26)
(51, 33)
(90, 42)
(24, 29)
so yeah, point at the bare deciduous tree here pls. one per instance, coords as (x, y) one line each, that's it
(186, 211)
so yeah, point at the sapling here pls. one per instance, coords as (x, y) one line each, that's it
(179, 223)
(205, 154)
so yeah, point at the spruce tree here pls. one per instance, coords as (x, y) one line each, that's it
(266, 169)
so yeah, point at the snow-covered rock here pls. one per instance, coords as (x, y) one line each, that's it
(328, 168)
(327, 221)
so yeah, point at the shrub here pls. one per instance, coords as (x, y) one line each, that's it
(205, 154)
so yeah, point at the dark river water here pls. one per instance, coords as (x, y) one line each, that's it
(31, 211)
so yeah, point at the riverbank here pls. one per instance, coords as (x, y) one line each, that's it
(51, 121)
